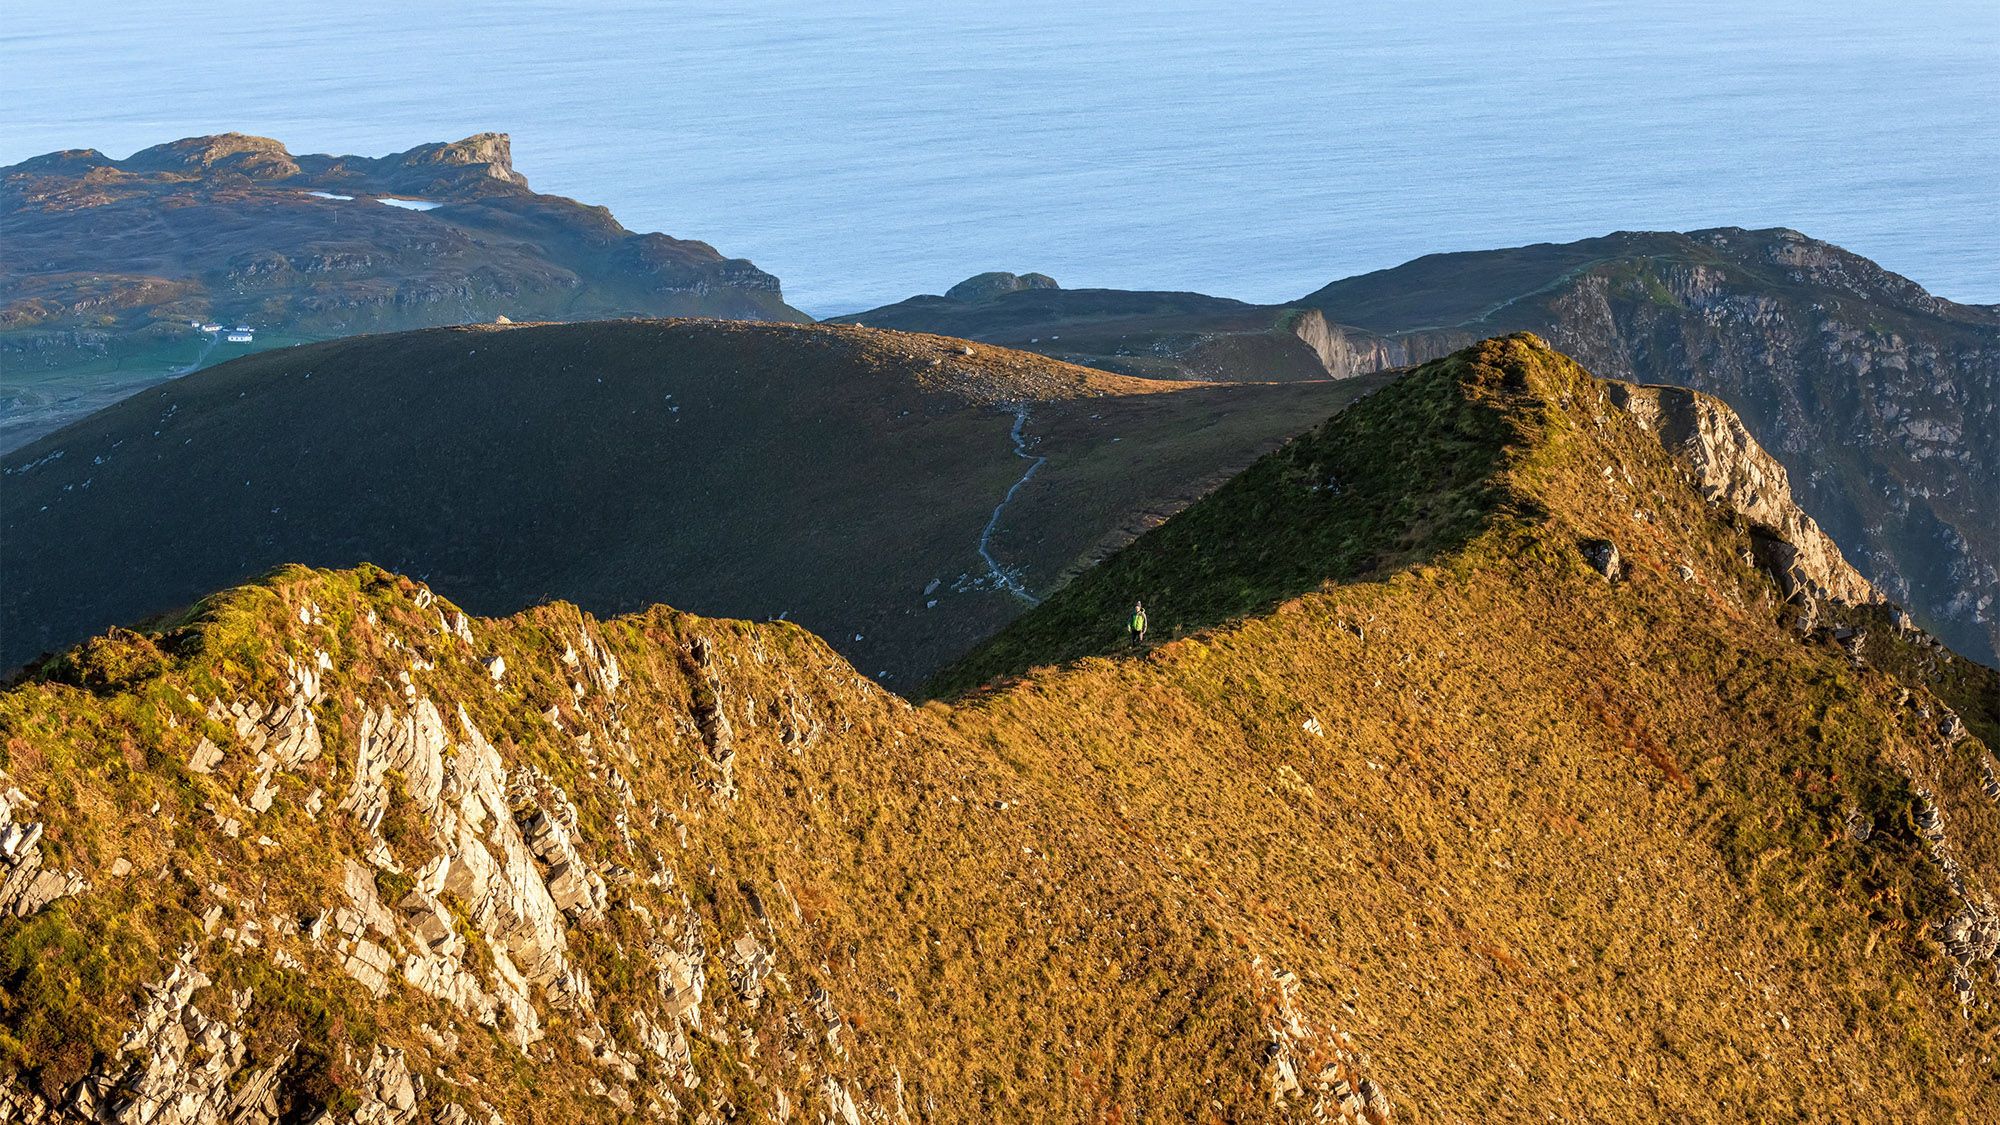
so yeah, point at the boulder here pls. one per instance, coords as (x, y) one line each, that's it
(1603, 557)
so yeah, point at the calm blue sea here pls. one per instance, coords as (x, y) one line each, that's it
(867, 151)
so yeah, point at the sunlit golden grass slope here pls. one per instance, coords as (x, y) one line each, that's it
(1456, 830)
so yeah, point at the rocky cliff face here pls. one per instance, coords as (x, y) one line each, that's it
(462, 871)
(1346, 352)
(1732, 470)
(109, 261)
(1484, 837)
(1882, 400)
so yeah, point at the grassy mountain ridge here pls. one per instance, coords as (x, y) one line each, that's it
(1876, 395)
(1480, 836)
(760, 789)
(845, 477)
(1416, 471)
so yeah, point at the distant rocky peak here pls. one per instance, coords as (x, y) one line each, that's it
(1810, 261)
(475, 165)
(259, 158)
(67, 162)
(492, 154)
(980, 287)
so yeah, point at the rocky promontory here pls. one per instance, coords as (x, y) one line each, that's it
(115, 267)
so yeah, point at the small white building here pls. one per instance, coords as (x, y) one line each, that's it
(211, 328)
(240, 336)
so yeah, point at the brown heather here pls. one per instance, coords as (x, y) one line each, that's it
(1453, 817)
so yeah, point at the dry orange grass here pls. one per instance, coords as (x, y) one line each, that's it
(1512, 842)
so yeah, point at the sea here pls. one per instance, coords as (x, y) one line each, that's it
(864, 152)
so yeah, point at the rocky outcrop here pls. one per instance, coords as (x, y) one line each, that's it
(1970, 934)
(1733, 471)
(1603, 557)
(428, 167)
(26, 885)
(259, 158)
(184, 1060)
(1346, 352)
(1878, 396)
(1313, 1069)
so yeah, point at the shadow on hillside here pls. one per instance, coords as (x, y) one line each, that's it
(1411, 472)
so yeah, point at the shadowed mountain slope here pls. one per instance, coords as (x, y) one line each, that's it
(848, 478)
(1485, 836)
(109, 260)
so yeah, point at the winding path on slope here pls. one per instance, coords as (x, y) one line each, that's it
(993, 567)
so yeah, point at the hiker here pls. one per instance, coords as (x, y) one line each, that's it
(1137, 626)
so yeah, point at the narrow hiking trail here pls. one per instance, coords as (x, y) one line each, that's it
(200, 357)
(998, 574)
